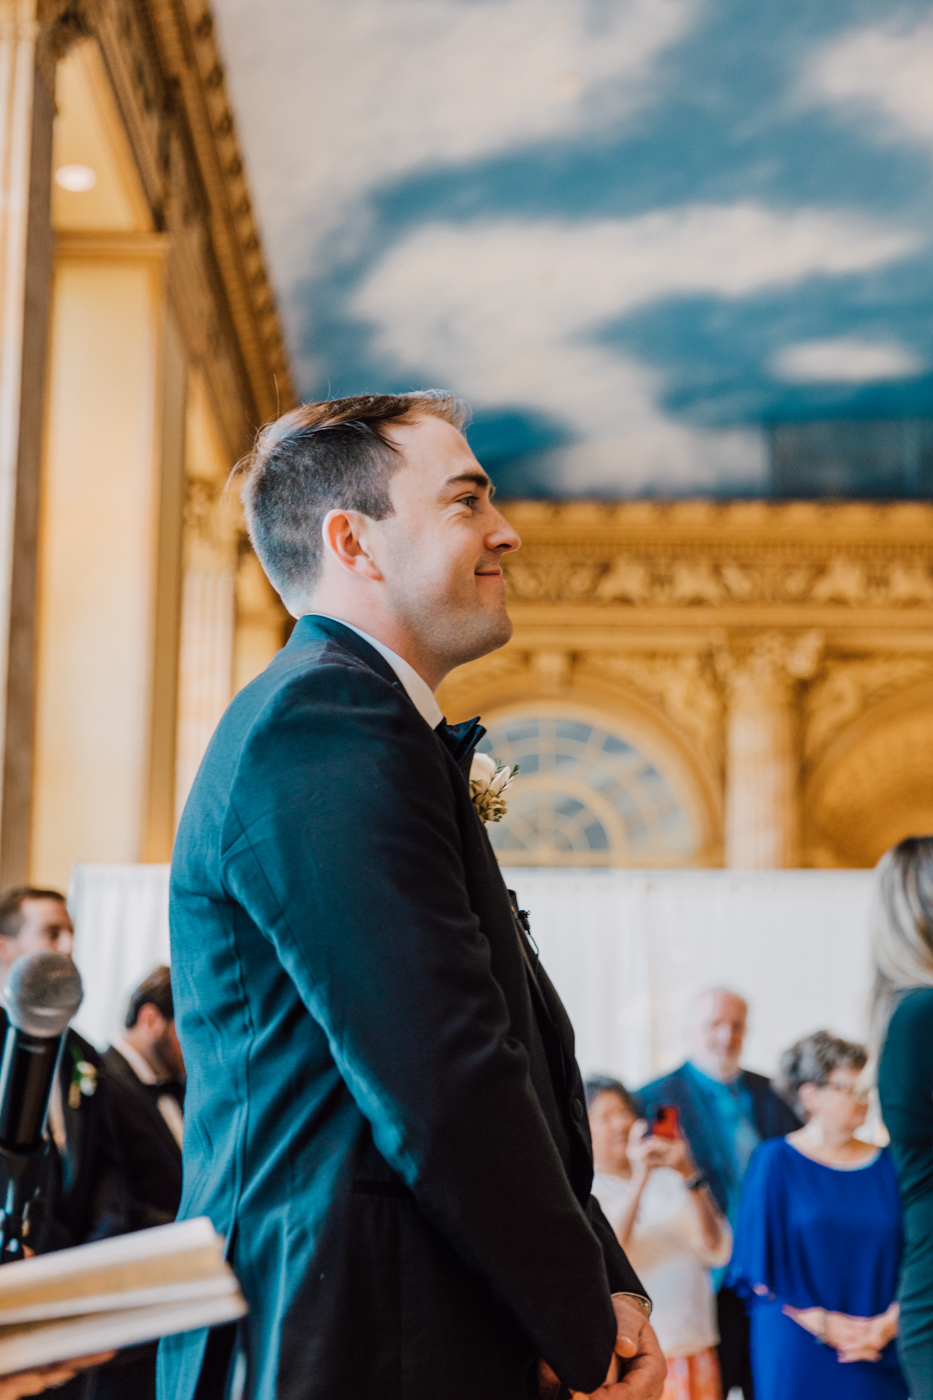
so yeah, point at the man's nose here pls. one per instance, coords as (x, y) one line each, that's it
(64, 944)
(502, 536)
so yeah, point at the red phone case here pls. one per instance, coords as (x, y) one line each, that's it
(667, 1121)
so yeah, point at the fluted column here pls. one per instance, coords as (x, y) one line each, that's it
(205, 682)
(260, 620)
(762, 748)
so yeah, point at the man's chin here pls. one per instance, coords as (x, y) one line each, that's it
(486, 634)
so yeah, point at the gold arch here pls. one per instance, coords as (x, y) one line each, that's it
(874, 785)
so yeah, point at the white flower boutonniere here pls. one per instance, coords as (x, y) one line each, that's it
(489, 779)
(83, 1082)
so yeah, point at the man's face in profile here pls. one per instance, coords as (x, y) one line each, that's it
(440, 552)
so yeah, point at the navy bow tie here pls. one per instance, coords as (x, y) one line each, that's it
(461, 740)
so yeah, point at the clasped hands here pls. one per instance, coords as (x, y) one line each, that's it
(635, 1343)
(852, 1338)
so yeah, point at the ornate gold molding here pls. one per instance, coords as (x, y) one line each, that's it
(740, 557)
(701, 613)
(162, 60)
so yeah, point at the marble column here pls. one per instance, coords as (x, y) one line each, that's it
(762, 748)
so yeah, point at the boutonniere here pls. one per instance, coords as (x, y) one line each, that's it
(490, 778)
(83, 1080)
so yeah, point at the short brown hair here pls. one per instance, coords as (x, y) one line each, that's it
(155, 991)
(11, 907)
(321, 457)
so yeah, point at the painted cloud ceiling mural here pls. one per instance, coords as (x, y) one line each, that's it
(645, 239)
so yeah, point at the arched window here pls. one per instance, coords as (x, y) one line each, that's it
(584, 796)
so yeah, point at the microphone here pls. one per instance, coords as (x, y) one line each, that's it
(42, 993)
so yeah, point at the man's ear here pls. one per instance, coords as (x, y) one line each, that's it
(9, 950)
(347, 536)
(150, 1019)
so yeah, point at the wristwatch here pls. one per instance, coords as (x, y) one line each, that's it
(642, 1303)
(693, 1183)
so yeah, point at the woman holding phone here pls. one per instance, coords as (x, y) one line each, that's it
(669, 1225)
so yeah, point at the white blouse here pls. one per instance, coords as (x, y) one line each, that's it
(667, 1252)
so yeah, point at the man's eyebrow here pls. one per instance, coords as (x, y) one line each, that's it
(477, 478)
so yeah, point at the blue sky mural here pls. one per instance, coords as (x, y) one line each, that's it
(634, 234)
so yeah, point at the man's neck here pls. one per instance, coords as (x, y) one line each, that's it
(144, 1049)
(721, 1076)
(390, 634)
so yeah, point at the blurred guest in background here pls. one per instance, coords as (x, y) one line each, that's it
(818, 1243)
(144, 1071)
(725, 1112)
(665, 1218)
(81, 1171)
(902, 1039)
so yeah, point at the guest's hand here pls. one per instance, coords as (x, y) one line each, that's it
(42, 1378)
(674, 1153)
(645, 1152)
(852, 1338)
(875, 1335)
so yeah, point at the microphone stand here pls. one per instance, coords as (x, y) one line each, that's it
(20, 1167)
(17, 1200)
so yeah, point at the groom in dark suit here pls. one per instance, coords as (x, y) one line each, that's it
(383, 1115)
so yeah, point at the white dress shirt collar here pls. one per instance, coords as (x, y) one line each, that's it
(167, 1104)
(419, 692)
(137, 1062)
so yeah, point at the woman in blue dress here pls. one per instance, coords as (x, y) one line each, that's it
(818, 1241)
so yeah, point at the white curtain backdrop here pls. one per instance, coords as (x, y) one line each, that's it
(625, 949)
(120, 914)
(628, 949)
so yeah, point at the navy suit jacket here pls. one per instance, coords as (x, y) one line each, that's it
(772, 1118)
(383, 1112)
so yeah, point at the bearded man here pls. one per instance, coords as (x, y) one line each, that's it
(383, 1111)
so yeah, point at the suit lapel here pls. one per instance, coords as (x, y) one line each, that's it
(119, 1069)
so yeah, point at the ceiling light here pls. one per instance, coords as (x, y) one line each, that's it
(76, 178)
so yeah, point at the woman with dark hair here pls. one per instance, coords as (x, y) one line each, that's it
(665, 1218)
(902, 1052)
(818, 1240)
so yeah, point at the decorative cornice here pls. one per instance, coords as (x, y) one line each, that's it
(581, 522)
(187, 38)
(743, 557)
(167, 78)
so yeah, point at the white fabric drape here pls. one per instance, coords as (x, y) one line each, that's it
(628, 949)
(120, 914)
(625, 949)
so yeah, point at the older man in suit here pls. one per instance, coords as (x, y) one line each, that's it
(383, 1112)
(725, 1111)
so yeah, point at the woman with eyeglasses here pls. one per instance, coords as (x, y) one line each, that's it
(818, 1240)
(902, 1051)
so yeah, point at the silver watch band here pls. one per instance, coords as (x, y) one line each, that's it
(642, 1303)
